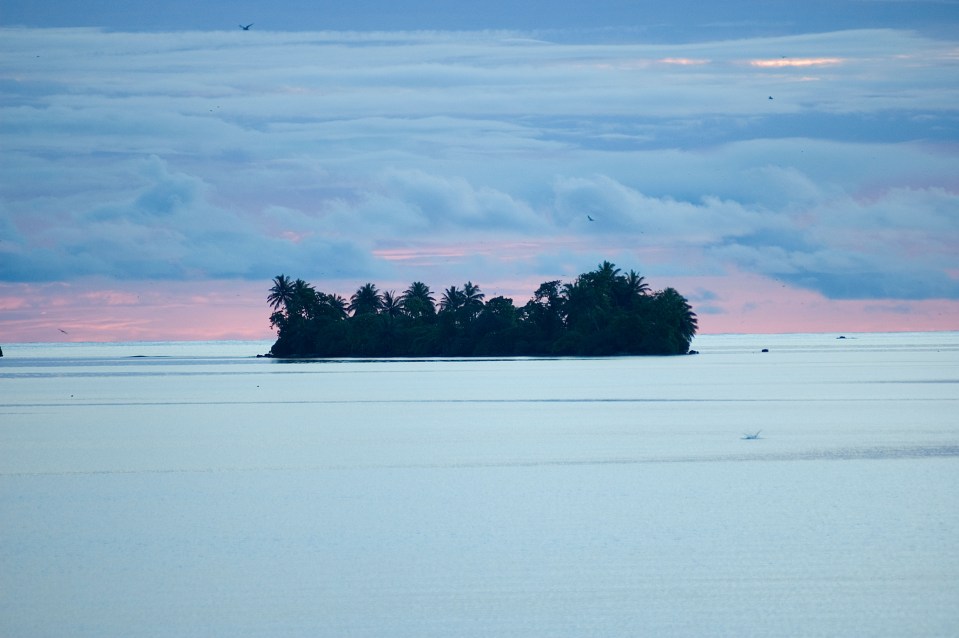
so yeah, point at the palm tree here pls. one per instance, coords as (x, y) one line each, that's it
(417, 301)
(636, 284)
(452, 300)
(677, 320)
(281, 293)
(472, 300)
(630, 288)
(594, 291)
(391, 304)
(366, 300)
(339, 305)
(303, 300)
(607, 273)
(331, 306)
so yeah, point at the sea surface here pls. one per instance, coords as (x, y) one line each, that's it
(192, 489)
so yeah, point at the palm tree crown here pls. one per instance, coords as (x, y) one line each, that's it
(451, 300)
(304, 300)
(391, 304)
(472, 299)
(417, 300)
(333, 306)
(281, 293)
(366, 300)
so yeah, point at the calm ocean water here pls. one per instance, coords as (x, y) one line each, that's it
(191, 489)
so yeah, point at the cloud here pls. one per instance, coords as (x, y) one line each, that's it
(167, 229)
(899, 244)
(619, 208)
(784, 62)
(186, 156)
(442, 203)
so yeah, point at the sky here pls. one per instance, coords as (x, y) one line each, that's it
(788, 167)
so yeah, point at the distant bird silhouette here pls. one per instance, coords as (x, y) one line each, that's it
(750, 437)
(247, 27)
(770, 97)
(590, 218)
(62, 330)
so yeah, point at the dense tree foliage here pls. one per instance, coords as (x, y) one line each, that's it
(603, 312)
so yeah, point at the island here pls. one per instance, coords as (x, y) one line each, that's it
(604, 312)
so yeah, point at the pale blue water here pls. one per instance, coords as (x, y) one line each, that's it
(194, 490)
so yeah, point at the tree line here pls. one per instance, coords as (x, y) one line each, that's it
(603, 312)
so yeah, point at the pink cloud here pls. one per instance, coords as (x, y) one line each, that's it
(174, 311)
(684, 61)
(111, 297)
(419, 254)
(425, 253)
(778, 63)
(145, 311)
(746, 303)
(12, 303)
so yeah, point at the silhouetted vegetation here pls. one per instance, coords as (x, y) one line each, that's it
(603, 312)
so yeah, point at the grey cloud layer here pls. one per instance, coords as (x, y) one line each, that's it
(195, 155)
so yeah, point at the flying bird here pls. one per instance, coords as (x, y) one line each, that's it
(247, 27)
(770, 97)
(62, 330)
(590, 218)
(750, 437)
